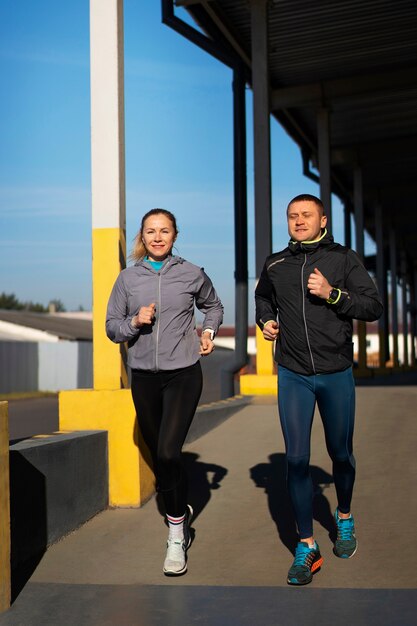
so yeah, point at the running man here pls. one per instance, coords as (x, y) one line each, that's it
(307, 296)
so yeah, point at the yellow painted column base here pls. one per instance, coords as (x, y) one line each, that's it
(258, 385)
(131, 480)
(264, 355)
(5, 588)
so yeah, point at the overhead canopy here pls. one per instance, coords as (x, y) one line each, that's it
(358, 60)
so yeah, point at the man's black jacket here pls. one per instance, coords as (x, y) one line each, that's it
(315, 337)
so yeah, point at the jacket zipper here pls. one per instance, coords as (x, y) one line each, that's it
(157, 323)
(304, 313)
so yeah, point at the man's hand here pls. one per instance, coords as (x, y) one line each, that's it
(145, 315)
(206, 344)
(270, 330)
(318, 284)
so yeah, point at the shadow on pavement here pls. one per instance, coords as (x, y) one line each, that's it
(202, 479)
(272, 478)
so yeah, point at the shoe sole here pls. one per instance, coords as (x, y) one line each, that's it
(169, 572)
(314, 569)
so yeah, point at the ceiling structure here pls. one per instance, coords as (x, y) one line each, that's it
(357, 59)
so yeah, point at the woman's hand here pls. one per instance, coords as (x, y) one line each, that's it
(206, 344)
(145, 315)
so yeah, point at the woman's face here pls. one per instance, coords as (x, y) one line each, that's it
(158, 236)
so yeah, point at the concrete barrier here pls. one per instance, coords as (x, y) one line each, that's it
(57, 482)
(4, 509)
(208, 416)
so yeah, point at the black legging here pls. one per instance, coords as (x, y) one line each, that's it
(297, 397)
(165, 404)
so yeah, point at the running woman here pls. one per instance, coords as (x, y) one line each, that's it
(306, 298)
(152, 308)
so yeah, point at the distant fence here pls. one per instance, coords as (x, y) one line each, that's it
(44, 366)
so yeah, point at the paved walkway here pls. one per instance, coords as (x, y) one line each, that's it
(109, 572)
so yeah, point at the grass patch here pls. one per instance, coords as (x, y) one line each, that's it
(25, 395)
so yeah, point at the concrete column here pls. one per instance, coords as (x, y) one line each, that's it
(107, 180)
(5, 589)
(394, 297)
(347, 226)
(261, 132)
(381, 283)
(404, 307)
(241, 236)
(109, 405)
(323, 135)
(262, 159)
(358, 208)
(360, 249)
(413, 308)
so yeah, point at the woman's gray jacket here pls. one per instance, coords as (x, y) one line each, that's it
(171, 342)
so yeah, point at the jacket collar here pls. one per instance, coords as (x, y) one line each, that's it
(170, 260)
(309, 246)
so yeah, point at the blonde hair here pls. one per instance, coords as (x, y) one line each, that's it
(139, 250)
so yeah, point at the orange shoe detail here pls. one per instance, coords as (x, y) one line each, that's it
(317, 564)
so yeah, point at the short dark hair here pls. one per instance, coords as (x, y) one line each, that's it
(306, 197)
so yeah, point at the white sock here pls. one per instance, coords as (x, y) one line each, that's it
(176, 527)
(342, 518)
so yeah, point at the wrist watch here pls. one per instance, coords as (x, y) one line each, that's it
(334, 296)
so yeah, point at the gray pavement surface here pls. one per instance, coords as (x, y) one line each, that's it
(33, 416)
(110, 570)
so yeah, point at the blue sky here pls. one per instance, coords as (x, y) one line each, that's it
(178, 114)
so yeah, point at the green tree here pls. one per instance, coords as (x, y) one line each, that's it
(9, 301)
(57, 305)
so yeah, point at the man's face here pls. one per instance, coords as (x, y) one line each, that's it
(305, 221)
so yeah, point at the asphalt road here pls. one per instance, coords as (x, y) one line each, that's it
(39, 416)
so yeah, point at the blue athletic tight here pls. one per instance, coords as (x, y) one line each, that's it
(335, 397)
(165, 403)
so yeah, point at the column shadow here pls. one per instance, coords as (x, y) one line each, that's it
(272, 478)
(28, 520)
(203, 478)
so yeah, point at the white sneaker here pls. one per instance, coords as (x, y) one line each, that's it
(175, 562)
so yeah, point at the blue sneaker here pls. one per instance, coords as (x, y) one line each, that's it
(307, 561)
(346, 543)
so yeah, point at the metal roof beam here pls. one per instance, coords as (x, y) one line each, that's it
(376, 152)
(320, 94)
(186, 3)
